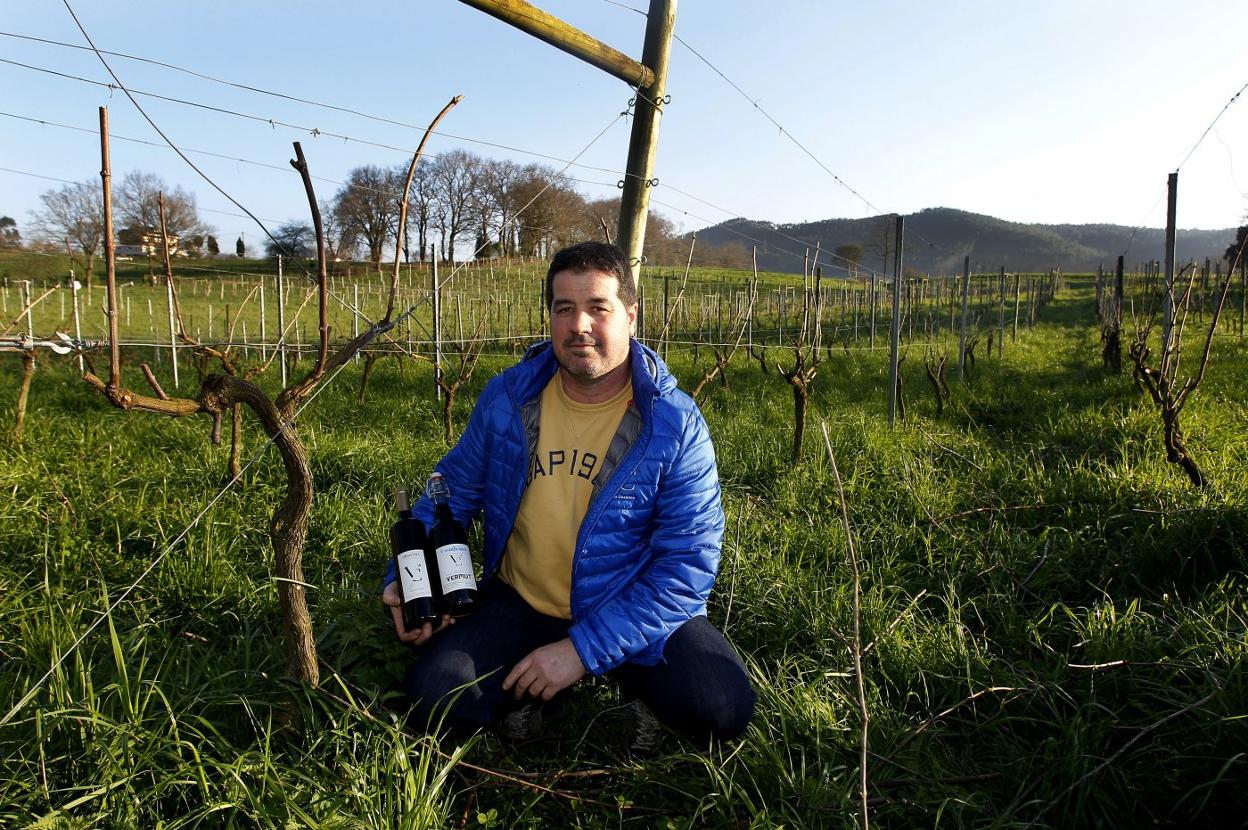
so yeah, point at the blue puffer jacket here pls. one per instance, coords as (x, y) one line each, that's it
(648, 547)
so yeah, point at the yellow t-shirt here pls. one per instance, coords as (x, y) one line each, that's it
(572, 442)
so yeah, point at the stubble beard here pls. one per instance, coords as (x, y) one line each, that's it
(592, 369)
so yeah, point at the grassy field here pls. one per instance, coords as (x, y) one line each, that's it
(1055, 620)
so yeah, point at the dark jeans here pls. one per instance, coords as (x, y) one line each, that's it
(700, 687)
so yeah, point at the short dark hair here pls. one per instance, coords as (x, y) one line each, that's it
(593, 256)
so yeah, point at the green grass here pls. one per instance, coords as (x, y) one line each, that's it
(1056, 619)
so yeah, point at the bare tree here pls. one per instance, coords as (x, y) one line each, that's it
(292, 240)
(499, 202)
(456, 178)
(71, 216)
(138, 207)
(366, 209)
(422, 205)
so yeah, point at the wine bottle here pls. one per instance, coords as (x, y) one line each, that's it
(417, 574)
(454, 561)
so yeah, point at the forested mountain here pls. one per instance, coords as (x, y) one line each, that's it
(936, 240)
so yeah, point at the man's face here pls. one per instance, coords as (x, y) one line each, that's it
(589, 325)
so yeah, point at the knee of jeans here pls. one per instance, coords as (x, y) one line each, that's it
(435, 681)
(730, 721)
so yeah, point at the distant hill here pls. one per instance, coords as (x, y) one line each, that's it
(936, 240)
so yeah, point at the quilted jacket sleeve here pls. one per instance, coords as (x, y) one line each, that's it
(686, 535)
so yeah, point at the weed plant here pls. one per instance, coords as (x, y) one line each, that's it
(1054, 620)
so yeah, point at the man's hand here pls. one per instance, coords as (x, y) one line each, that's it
(546, 671)
(390, 596)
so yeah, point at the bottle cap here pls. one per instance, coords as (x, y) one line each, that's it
(401, 501)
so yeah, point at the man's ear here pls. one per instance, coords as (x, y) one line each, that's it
(632, 319)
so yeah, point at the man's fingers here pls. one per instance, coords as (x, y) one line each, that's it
(399, 630)
(422, 634)
(516, 671)
(416, 637)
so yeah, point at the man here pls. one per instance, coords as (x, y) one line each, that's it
(603, 526)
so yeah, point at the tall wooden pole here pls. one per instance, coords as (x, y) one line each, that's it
(1014, 335)
(895, 348)
(966, 294)
(1001, 313)
(173, 331)
(873, 304)
(643, 143)
(649, 78)
(1116, 315)
(1167, 305)
(281, 320)
(1243, 292)
(73, 282)
(552, 30)
(436, 301)
(110, 253)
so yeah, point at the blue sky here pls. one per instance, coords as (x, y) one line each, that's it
(1053, 112)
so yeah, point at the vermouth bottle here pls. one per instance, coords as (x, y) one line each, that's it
(418, 578)
(450, 543)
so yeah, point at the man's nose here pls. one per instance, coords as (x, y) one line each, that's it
(581, 321)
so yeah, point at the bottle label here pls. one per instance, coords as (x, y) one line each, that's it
(455, 566)
(413, 575)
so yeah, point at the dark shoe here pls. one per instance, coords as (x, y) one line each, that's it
(646, 732)
(522, 725)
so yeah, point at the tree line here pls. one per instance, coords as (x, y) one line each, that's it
(460, 206)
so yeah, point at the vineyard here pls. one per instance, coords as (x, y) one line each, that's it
(235, 304)
(1052, 614)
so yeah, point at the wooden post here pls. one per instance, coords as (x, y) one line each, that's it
(281, 321)
(1167, 303)
(73, 283)
(1117, 295)
(173, 332)
(1243, 292)
(667, 315)
(552, 30)
(649, 77)
(110, 254)
(1001, 314)
(435, 291)
(873, 304)
(966, 295)
(1018, 279)
(895, 346)
(29, 314)
(263, 345)
(643, 143)
(641, 313)
(1100, 294)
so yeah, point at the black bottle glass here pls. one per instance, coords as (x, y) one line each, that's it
(449, 541)
(418, 574)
